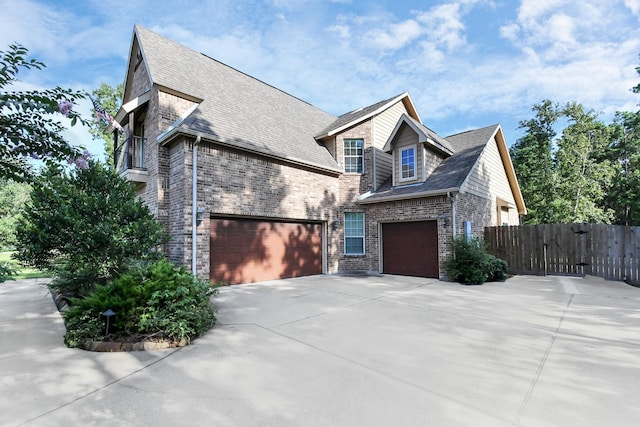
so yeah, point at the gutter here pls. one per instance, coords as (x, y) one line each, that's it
(194, 205)
(373, 154)
(417, 195)
(453, 200)
(166, 137)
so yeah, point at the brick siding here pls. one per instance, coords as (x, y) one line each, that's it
(236, 183)
(424, 209)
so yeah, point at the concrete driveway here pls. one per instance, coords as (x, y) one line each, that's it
(345, 351)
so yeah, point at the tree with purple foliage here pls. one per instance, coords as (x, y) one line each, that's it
(29, 128)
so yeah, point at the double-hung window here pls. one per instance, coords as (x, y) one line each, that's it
(353, 155)
(354, 233)
(407, 164)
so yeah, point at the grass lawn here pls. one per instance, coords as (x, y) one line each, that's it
(23, 272)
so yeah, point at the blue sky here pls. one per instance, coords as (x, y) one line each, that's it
(465, 63)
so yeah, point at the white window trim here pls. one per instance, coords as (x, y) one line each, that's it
(364, 226)
(344, 156)
(415, 163)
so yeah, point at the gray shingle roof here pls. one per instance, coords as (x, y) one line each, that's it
(440, 141)
(237, 109)
(355, 116)
(450, 174)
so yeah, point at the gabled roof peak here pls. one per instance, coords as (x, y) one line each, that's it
(354, 117)
(425, 135)
(234, 108)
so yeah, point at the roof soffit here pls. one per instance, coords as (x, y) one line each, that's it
(510, 170)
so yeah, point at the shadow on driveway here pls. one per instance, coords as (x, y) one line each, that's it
(336, 350)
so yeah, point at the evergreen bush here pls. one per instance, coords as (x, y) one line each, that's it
(471, 264)
(154, 301)
(85, 227)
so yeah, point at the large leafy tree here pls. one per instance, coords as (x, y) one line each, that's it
(29, 125)
(13, 197)
(110, 98)
(85, 227)
(533, 160)
(584, 172)
(567, 178)
(624, 195)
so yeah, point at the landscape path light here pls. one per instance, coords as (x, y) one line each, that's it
(108, 314)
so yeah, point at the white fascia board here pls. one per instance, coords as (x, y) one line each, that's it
(132, 105)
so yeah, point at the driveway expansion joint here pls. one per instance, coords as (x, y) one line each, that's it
(384, 374)
(543, 361)
(103, 387)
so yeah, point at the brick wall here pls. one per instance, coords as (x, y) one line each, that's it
(482, 212)
(236, 183)
(179, 216)
(430, 208)
(161, 112)
(172, 107)
(351, 186)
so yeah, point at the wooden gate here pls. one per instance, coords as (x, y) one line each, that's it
(609, 251)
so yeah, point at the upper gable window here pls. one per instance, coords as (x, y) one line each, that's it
(353, 155)
(407, 164)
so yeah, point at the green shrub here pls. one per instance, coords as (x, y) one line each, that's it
(85, 227)
(83, 327)
(157, 300)
(6, 272)
(496, 269)
(472, 264)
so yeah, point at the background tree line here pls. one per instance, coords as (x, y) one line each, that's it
(588, 171)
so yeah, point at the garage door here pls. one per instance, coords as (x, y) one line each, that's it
(246, 250)
(410, 248)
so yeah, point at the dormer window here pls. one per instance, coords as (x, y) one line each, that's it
(407, 164)
(353, 155)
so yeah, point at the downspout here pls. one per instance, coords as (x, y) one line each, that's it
(194, 205)
(453, 212)
(374, 183)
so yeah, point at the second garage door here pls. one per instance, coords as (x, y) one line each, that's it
(248, 250)
(410, 248)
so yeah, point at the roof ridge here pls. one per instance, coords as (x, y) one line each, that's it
(371, 105)
(472, 130)
(227, 66)
(255, 78)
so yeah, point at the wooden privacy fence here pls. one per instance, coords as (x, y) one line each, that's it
(609, 251)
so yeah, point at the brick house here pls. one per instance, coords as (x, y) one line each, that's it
(259, 184)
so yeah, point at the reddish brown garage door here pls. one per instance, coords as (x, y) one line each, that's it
(410, 248)
(245, 250)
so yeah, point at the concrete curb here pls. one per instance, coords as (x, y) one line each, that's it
(113, 346)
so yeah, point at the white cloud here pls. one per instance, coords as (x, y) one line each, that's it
(572, 51)
(445, 25)
(32, 25)
(510, 31)
(396, 36)
(633, 5)
(455, 60)
(342, 31)
(531, 11)
(561, 28)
